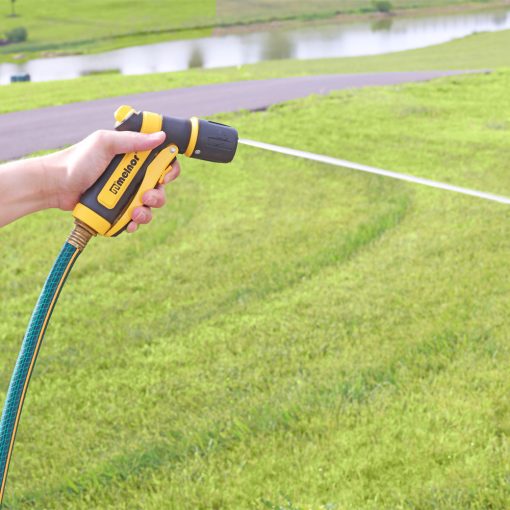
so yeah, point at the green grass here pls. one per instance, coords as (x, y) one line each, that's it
(480, 51)
(285, 335)
(97, 25)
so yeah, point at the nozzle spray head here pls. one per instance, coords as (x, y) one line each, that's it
(215, 142)
(195, 138)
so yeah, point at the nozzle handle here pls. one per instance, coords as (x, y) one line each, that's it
(107, 205)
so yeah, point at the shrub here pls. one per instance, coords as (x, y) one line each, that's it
(16, 35)
(383, 5)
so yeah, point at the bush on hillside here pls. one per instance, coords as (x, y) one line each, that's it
(383, 5)
(17, 35)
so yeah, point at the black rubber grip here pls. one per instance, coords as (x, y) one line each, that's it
(178, 132)
(216, 142)
(132, 123)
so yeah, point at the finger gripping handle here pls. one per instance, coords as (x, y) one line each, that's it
(105, 202)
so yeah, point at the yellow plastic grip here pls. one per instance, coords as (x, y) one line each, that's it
(153, 174)
(91, 218)
(121, 178)
(123, 112)
(151, 122)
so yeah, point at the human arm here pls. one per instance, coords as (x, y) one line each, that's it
(58, 179)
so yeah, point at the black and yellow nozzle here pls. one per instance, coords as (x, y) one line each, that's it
(106, 207)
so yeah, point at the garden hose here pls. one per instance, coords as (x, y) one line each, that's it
(32, 344)
(106, 209)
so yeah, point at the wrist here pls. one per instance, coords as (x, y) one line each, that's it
(54, 176)
(24, 188)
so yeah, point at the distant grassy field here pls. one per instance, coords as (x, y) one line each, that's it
(480, 51)
(285, 335)
(83, 25)
(98, 25)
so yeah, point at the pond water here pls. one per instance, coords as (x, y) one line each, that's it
(306, 42)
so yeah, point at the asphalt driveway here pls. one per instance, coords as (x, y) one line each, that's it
(25, 132)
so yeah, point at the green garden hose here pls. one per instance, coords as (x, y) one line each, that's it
(32, 344)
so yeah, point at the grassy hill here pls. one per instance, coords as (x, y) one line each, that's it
(70, 25)
(285, 335)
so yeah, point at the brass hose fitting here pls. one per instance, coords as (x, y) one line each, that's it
(80, 235)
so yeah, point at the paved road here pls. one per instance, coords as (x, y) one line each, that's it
(25, 132)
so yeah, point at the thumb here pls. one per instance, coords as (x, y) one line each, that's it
(119, 142)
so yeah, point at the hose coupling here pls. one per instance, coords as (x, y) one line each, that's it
(80, 235)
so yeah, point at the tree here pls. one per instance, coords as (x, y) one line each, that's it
(13, 10)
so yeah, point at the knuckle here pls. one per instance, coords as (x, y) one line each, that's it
(159, 198)
(102, 139)
(99, 136)
(143, 215)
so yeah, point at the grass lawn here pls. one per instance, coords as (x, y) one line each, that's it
(85, 25)
(285, 335)
(480, 51)
(99, 25)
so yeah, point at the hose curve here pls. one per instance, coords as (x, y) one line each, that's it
(28, 355)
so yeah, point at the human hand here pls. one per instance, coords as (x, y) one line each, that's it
(72, 171)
